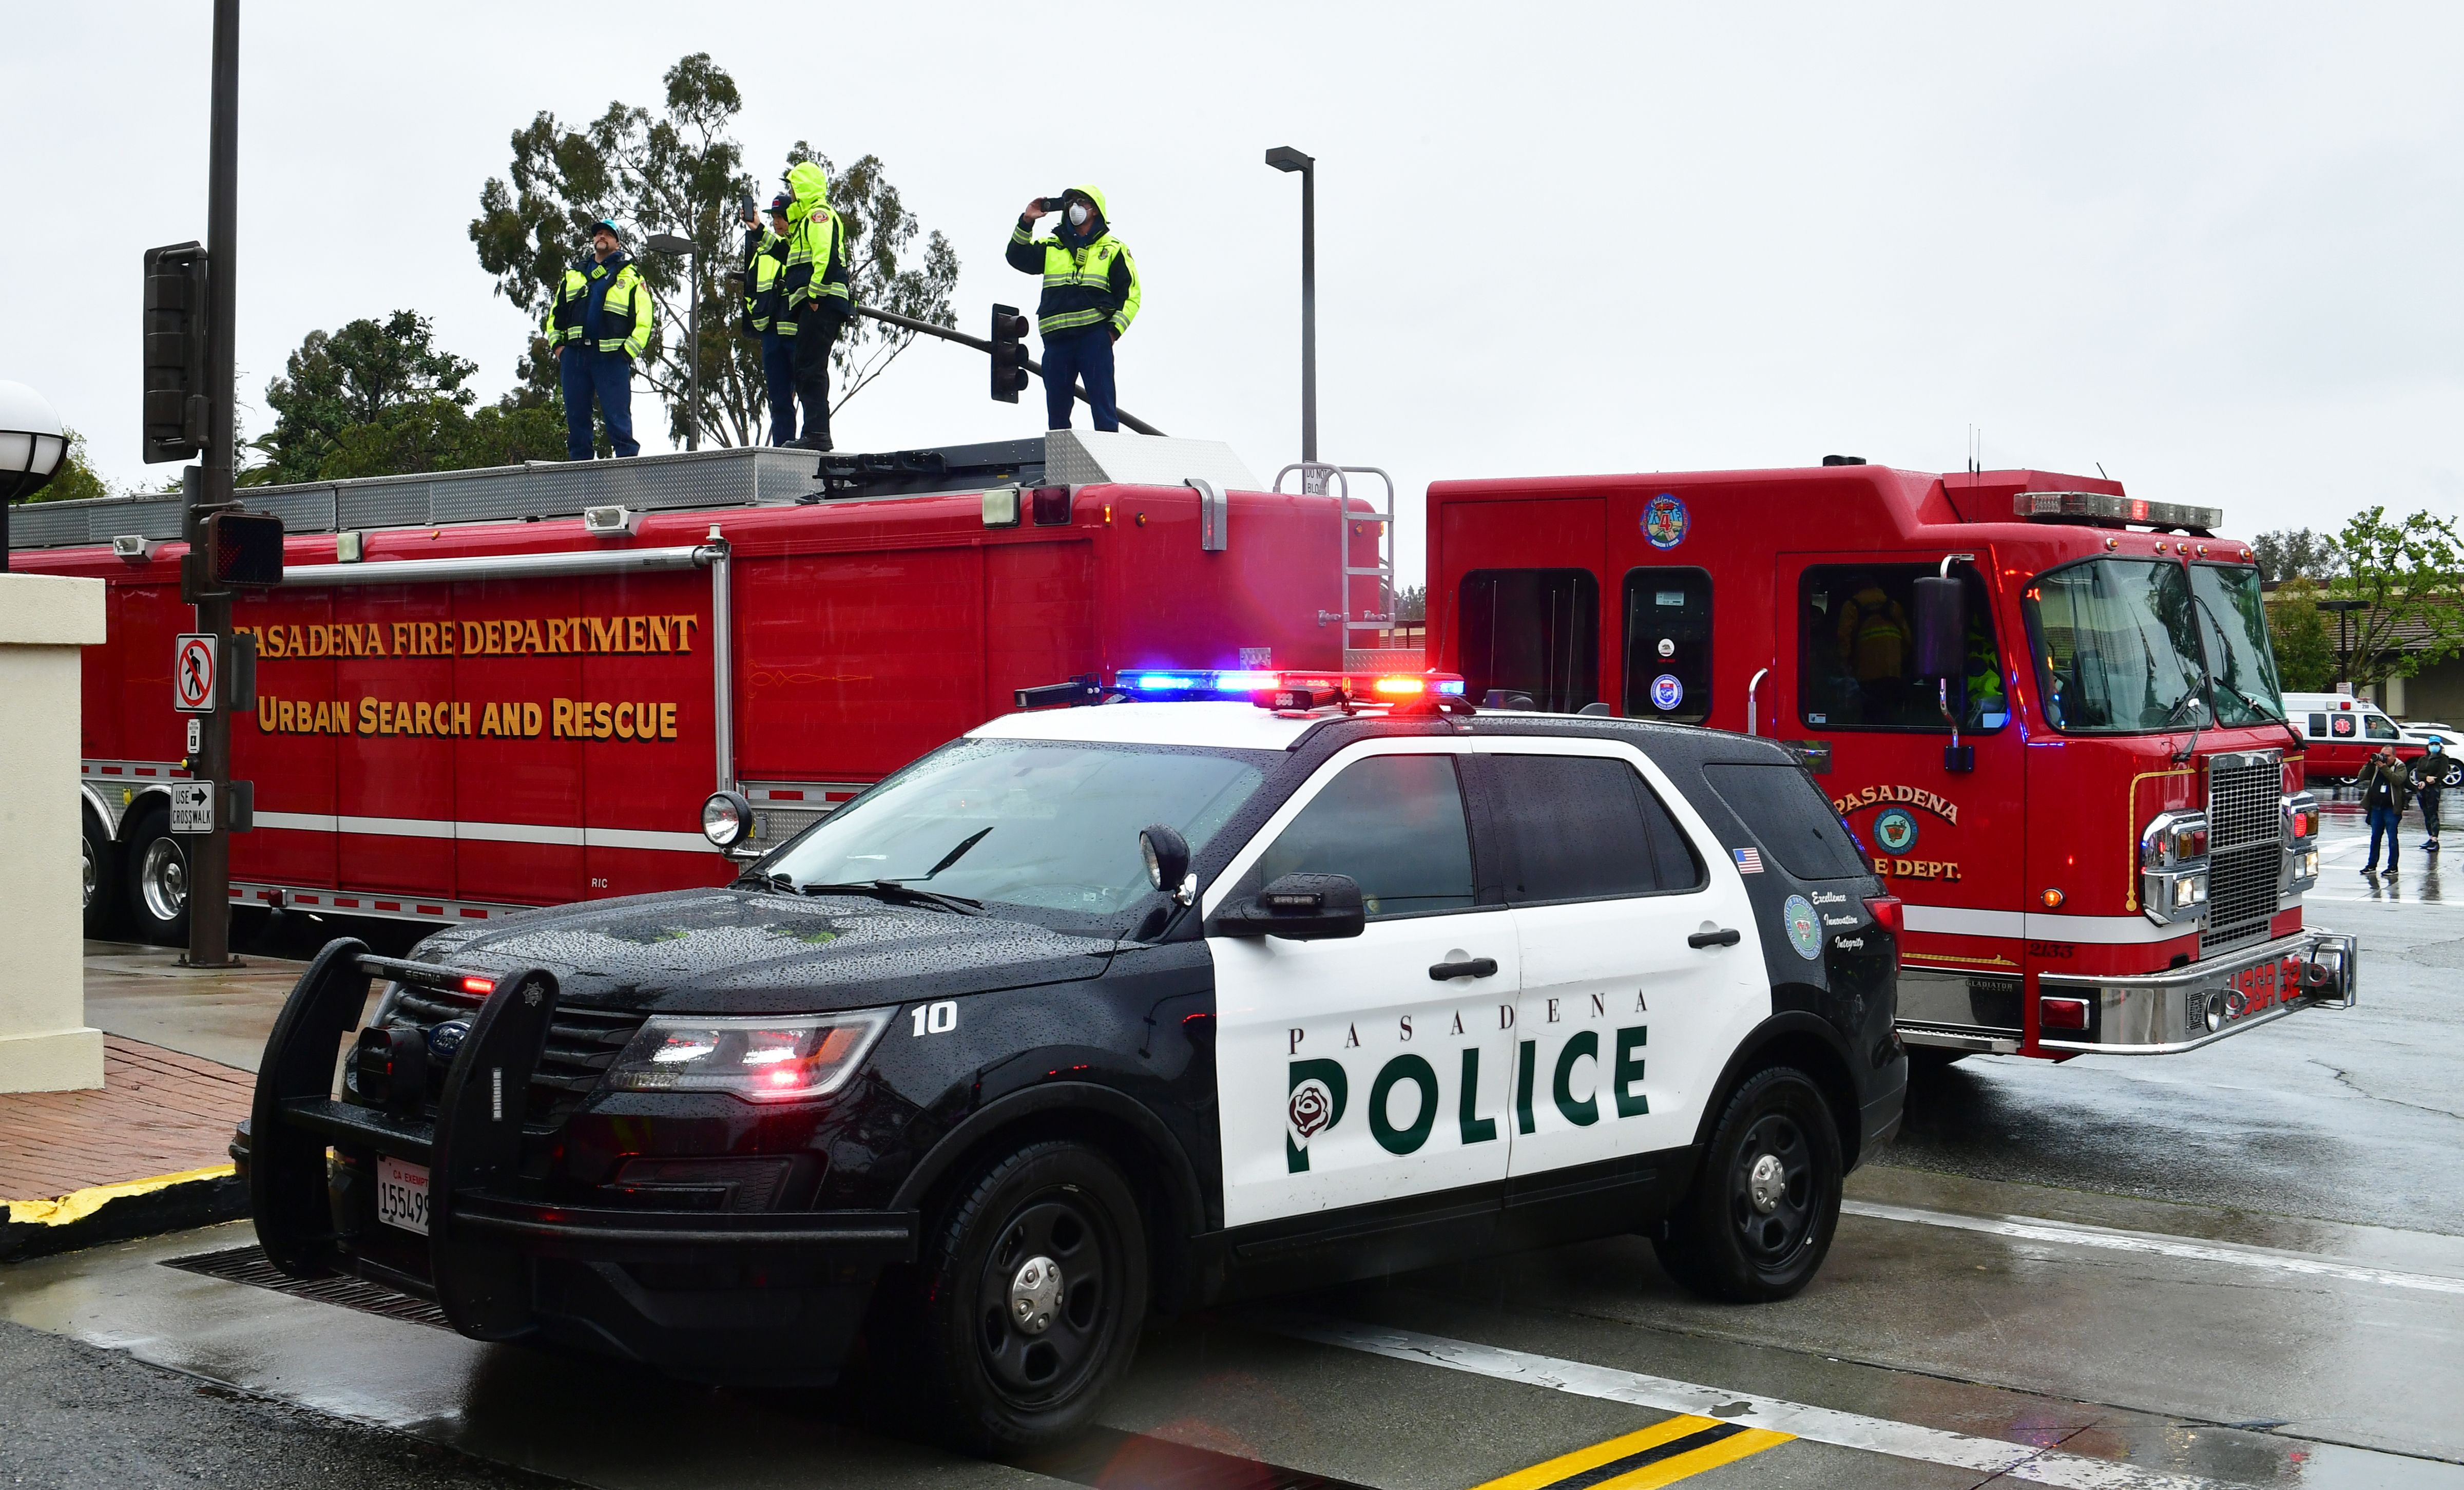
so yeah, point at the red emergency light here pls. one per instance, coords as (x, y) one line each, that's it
(479, 986)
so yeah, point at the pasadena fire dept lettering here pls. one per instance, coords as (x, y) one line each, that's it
(511, 718)
(1934, 802)
(562, 636)
(1319, 1088)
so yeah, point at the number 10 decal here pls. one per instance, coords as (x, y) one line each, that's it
(935, 1018)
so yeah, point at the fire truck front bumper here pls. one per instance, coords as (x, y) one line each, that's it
(441, 1208)
(2181, 1009)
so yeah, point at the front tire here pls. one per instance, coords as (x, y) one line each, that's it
(157, 867)
(1028, 1302)
(1758, 1220)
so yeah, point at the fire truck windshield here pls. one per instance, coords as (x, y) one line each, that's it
(2138, 646)
(1046, 827)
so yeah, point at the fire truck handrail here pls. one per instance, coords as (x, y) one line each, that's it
(502, 565)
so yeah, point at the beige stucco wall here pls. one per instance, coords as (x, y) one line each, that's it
(45, 1045)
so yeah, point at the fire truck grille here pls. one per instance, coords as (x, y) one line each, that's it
(2245, 850)
(581, 1044)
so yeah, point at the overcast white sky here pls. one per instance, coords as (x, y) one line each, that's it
(2215, 248)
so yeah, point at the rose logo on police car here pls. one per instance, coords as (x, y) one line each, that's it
(1311, 1109)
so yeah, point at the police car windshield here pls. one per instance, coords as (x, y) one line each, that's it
(1047, 826)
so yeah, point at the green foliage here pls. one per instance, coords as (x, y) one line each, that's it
(440, 434)
(2305, 647)
(1411, 606)
(2410, 574)
(75, 476)
(343, 380)
(682, 171)
(2296, 553)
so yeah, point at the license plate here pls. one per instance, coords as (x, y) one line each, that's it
(402, 1194)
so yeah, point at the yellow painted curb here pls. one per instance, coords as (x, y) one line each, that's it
(78, 1204)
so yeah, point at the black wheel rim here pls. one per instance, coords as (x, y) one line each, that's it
(1772, 1190)
(1034, 1367)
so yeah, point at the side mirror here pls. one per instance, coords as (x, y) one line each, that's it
(1942, 628)
(1167, 856)
(1303, 907)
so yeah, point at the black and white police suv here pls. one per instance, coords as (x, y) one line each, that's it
(1097, 1013)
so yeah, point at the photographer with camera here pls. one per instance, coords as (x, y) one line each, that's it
(1090, 295)
(765, 315)
(817, 302)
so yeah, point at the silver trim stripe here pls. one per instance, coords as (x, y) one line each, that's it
(1990, 1456)
(490, 832)
(2092, 930)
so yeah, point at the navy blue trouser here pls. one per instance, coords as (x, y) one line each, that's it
(2384, 823)
(585, 373)
(1082, 352)
(779, 376)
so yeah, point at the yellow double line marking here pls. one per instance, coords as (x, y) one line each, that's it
(1661, 1455)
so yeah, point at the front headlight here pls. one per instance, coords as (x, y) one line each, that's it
(726, 819)
(760, 1059)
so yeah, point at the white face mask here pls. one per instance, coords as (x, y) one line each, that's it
(1077, 214)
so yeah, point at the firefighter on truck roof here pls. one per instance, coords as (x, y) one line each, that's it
(765, 267)
(598, 321)
(815, 285)
(1090, 295)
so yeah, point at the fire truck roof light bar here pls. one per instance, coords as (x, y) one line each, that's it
(2106, 507)
(412, 571)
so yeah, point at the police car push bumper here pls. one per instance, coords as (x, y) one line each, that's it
(481, 1231)
(2160, 1013)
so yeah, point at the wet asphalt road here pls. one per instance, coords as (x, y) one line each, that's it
(2241, 1266)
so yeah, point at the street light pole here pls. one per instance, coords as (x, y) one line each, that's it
(32, 446)
(678, 243)
(2342, 610)
(1284, 158)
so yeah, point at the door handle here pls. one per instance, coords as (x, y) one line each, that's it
(1726, 937)
(1475, 968)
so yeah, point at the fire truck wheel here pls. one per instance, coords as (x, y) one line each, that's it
(1027, 1303)
(158, 880)
(101, 880)
(1762, 1210)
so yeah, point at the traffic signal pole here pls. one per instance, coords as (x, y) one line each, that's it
(928, 329)
(209, 854)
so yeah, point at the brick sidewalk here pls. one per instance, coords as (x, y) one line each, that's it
(159, 1112)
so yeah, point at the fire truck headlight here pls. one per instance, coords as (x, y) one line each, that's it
(726, 819)
(2190, 890)
(771, 1059)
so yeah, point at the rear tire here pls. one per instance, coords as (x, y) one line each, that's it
(994, 1355)
(101, 880)
(1759, 1217)
(156, 865)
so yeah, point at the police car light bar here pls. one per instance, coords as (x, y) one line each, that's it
(2106, 507)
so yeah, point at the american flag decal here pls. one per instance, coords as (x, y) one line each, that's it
(1749, 861)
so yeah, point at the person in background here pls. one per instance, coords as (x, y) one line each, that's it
(2387, 790)
(597, 321)
(1090, 295)
(2429, 779)
(765, 269)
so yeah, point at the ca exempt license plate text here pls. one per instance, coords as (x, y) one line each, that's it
(402, 1194)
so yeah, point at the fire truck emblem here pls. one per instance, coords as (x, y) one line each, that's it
(1663, 521)
(1804, 928)
(1666, 692)
(1896, 829)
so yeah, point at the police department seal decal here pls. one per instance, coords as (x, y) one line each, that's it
(1666, 692)
(1664, 521)
(1804, 928)
(1896, 829)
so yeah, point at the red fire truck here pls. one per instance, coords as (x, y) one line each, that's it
(2048, 710)
(478, 691)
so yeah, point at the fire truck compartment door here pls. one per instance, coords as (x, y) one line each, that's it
(1349, 1072)
(1623, 1026)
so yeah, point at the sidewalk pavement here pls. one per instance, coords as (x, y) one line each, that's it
(148, 1151)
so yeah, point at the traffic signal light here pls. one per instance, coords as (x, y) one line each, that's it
(243, 548)
(1009, 353)
(175, 351)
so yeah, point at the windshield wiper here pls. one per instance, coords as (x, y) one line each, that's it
(947, 860)
(771, 883)
(897, 893)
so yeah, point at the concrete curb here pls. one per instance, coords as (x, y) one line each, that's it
(120, 1213)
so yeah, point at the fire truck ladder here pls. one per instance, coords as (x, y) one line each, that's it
(1315, 475)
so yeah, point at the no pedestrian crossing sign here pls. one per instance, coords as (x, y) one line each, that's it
(193, 664)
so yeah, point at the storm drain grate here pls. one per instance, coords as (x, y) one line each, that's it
(249, 1265)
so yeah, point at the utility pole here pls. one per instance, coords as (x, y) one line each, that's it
(209, 854)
